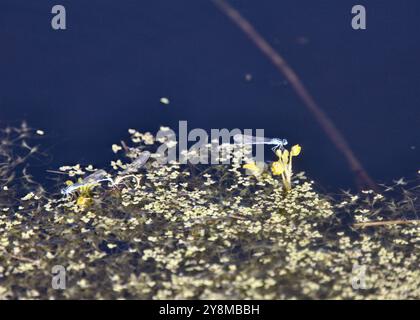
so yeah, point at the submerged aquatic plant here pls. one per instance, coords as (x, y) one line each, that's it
(204, 232)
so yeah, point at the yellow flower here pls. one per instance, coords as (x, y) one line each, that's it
(84, 202)
(250, 166)
(277, 168)
(254, 168)
(296, 150)
(86, 190)
(85, 198)
(285, 157)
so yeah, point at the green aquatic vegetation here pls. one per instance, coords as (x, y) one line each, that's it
(177, 231)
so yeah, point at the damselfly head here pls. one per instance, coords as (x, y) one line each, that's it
(280, 142)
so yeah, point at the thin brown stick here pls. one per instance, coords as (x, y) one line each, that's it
(383, 223)
(362, 178)
(20, 258)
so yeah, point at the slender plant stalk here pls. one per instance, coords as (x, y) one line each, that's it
(362, 178)
(383, 223)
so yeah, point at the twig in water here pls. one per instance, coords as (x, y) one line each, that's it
(383, 223)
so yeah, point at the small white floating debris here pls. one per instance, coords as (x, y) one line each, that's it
(164, 100)
(248, 77)
(116, 148)
(5, 188)
(40, 132)
(29, 196)
(49, 255)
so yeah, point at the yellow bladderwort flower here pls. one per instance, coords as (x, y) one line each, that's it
(283, 166)
(255, 168)
(277, 168)
(84, 202)
(295, 150)
(250, 166)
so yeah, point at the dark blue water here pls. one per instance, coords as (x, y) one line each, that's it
(87, 85)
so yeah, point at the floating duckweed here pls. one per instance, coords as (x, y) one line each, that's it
(206, 232)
